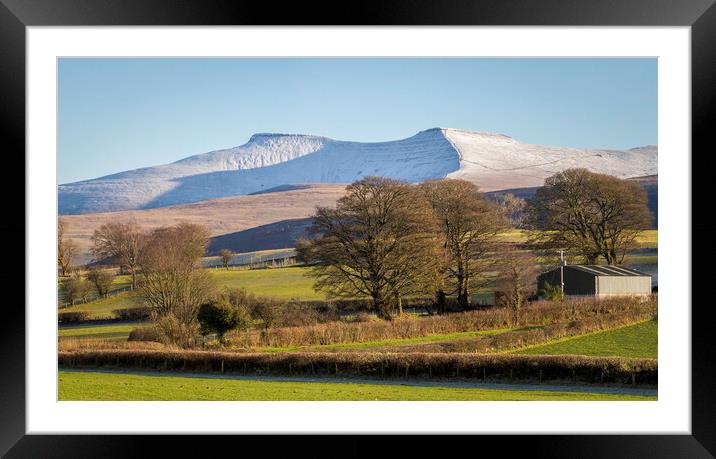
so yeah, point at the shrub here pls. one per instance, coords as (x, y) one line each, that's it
(218, 317)
(72, 317)
(268, 312)
(532, 314)
(140, 313)
(145, 333)
(176, 332)
(552, 292)
(76, 288)
(101, 279)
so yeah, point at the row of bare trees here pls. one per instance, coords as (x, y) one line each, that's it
(163, 264)
(387, 239)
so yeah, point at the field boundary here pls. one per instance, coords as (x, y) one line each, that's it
(575, 337)
(484, 367)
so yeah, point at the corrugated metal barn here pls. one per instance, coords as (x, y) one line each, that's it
(597, 280)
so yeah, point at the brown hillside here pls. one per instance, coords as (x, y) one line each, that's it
(221, 216)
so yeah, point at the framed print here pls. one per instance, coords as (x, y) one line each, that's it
(269, 222)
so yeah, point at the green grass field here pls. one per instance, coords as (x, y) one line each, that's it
(100, 332)
(284, 283)
(102, 309)
(119, 386)
(639, 340)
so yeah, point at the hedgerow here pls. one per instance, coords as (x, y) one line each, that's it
(383, 365)
(540, 313)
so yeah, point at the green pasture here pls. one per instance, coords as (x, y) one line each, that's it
(100, 332)
(638, 340)
(102, 308)
(283, 283)
(122, 386)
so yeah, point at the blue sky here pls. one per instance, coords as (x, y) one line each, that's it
(119, 114)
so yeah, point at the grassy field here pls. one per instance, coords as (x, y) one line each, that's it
(646, 239)
(639, 340)
(102, 309)
(119, 386)
(284, 283)
(100, 332)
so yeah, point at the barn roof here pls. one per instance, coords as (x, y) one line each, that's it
(602, 270)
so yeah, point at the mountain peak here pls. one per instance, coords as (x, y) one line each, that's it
(269, 160)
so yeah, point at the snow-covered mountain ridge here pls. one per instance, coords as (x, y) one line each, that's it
(492, 161)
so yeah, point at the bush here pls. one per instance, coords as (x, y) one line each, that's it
(219, 317)
(72, 317)
(538, 313)
(101, 279)
(141, 313)
(76, 288)
(268, 312)
(145, 333)
(552, 292)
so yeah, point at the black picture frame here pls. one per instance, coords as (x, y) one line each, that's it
(700, 15)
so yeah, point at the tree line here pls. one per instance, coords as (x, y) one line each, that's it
(385, 240)
(388, 239)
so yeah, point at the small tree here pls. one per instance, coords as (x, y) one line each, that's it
(172, 282)
(101, 279)
(76, 288)
(552, 292)
(67, 250)
(226, 256)
(122, 242)
(517, 277)
(218, 316)
(268, 311)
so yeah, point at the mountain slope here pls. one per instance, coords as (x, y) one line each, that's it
(272, 160)
(220, 216)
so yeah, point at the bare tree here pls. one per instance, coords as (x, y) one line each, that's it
(226, 256)
(470, 225)
(379, 242)
(76, 288)
(122, 242)
(67, 249)
(595, 215)
(172, 282)
(517, 277)
(102, 280)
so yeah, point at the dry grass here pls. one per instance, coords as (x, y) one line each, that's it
(535, 314)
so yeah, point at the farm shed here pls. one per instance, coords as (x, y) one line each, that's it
(597, 280)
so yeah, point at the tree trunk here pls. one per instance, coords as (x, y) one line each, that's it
(400, 305)
(440, 301)
(463, 297)
(381, 307)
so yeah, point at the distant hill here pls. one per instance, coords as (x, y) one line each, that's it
(279, 235)
(221, 216)
(268, 161)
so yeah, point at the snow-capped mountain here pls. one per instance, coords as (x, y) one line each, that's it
(267, 161)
